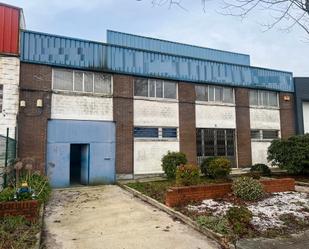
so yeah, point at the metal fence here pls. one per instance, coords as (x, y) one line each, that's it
(7, 156)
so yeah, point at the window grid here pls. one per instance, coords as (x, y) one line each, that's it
(215, 142)
(156, 84)
(215, 94)
(264, 134)
(156, 132)
(264, 98)
(106, 80)
(1, 98)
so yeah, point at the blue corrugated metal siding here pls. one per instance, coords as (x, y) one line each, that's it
(75, 53)
(98, 135)
(156, 45)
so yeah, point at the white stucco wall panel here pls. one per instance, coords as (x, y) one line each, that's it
(81, 107)
(148, 155)
(259, 152)
(215, 116)
(306, 116)
(264, 118)
(156, 113)
(9, 78)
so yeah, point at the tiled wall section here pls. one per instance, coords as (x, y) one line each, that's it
(123, 116)
(187, 126)
(69, 106)
(35, 83)
(243, 127)
(9, 78)
(287, 115)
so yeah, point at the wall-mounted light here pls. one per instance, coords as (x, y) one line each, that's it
(286, 98)
(22, 103)
(39, 103)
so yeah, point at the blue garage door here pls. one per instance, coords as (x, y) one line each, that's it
(97, 161)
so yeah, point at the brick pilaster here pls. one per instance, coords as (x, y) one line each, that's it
(287, 114)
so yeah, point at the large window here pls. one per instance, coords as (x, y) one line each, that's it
(155, 88)
(264, 134)
(1, 97)
(215, 142)
(155, 132)
(79, 81)
(216, 94)
(263, 98)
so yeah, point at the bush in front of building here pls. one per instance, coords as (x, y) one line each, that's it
(219, 167)
(7, 194)
(171, 161)
(261, 169)
(239, 219)
(187, 175)
(247, 188)
(290, 154)
(205, 164)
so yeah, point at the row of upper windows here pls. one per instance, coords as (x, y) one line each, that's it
(99, 83)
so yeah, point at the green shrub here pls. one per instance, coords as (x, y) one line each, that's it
(219, 167)
(7, 194)
(261, 169)
(290, 154)
(217, 224)
(187, 175)
(170, 162)
(247, 188)
(205, 164)
(239, 219)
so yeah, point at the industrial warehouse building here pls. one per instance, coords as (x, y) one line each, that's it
(92, 112)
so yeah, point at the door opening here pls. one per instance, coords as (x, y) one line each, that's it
(79, 164)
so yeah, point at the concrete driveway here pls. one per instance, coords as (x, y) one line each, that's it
(109, 217)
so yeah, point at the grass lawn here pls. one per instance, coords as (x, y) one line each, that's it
(17, 233)
(157, 189)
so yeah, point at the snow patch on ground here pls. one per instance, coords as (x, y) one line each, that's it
(266, 213)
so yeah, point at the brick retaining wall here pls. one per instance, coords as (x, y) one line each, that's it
(181, 195)
(28, 209)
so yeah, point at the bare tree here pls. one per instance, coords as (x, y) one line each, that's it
(288, 12)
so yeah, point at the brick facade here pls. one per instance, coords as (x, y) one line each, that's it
(35, 83)
(28, 209)
(287, 115)
(187, 127)
(243, 127)
(123, 116)
(182, 195)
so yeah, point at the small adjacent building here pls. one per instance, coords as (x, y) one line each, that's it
(302, 104)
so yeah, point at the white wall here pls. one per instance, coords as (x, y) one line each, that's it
(215, 116)
(156, 113)
(9, 78)
(148, 155)
(78, 107)
(306, 116)
(261, 118)
(259, 151)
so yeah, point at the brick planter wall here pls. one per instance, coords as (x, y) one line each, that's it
(28, 209)
(181, 195)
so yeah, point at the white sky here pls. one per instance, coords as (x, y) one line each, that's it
(275, 49)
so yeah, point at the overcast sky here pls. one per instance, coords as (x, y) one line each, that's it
(275, 49)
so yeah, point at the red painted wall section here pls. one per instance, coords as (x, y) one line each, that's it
(9, 30)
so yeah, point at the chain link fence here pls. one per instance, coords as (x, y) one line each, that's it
(7, 156)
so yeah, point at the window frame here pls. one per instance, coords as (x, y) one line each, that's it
(155, 81)
(261, 135)
(260, 99)
(160, 136)
(83, 83)
(207, 90)
(1, 97)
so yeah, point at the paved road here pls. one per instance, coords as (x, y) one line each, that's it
(108, 217)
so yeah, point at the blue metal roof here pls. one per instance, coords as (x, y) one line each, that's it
(82, 54)
(175, 48)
